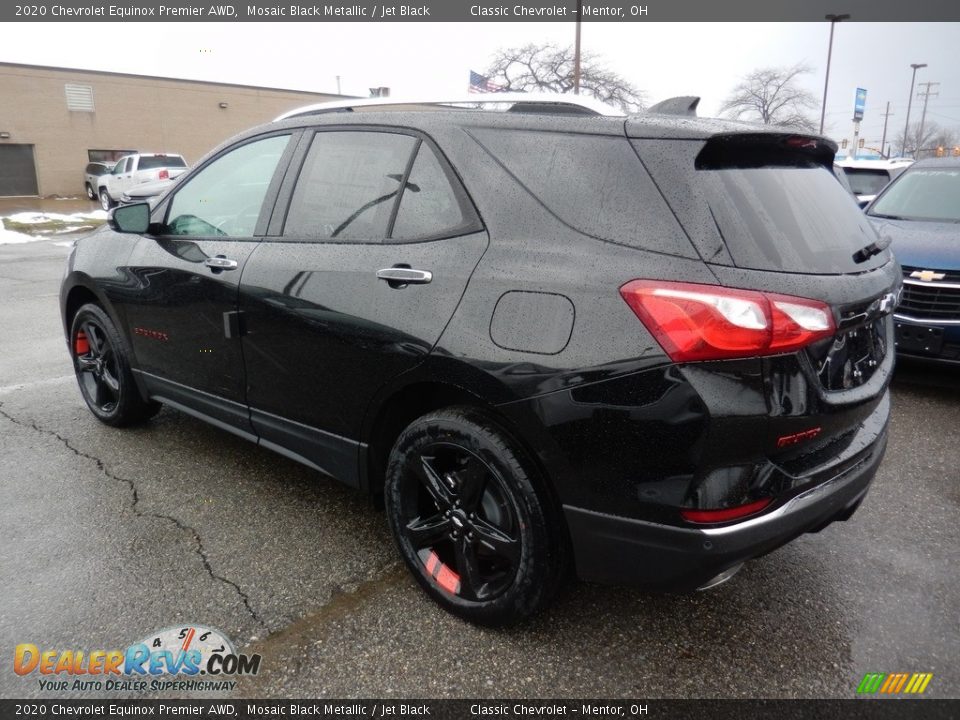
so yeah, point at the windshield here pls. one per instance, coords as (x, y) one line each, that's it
(867, 182)
(922, 194)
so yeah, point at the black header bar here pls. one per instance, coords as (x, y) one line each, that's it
(503, 709)
(479, 11)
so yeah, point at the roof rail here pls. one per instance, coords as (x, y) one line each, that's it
(680, 105)
(541, 101)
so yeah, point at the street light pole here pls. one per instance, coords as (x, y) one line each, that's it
(906, 129)
(576, 52)
(834, 19)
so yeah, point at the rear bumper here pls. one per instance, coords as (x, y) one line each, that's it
(619, 550)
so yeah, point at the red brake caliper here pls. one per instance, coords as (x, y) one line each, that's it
(81, 345)
(445, 577)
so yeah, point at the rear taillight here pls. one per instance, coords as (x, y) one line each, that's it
(709, 322)
(724, 514)
(164, 175)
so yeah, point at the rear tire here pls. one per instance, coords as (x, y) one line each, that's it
(101, 363)
(469, 520)
(105, 202)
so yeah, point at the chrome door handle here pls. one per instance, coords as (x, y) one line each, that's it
(220, 263)
(406, 276)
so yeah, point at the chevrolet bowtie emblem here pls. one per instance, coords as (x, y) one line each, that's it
(927, 275)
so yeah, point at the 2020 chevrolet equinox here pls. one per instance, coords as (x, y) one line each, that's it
(640, 349)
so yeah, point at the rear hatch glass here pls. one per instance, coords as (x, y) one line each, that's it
(152, 162)
(753, 202)
(867, 182)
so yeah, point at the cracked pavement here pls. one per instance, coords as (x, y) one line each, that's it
(107, 535)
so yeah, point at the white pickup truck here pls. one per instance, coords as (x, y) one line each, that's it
(134, 169)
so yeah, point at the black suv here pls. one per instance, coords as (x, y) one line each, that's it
(643, 349)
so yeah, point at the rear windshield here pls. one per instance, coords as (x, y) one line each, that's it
(793, 217)
(867, 182)
(922, 194)
(152, 162)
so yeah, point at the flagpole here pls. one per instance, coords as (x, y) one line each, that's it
(576, 52)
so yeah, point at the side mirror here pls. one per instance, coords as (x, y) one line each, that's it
(130, 218)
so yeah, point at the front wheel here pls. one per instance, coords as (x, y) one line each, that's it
(90, 194)
(469, 519)
(103, 370)
(105, 202)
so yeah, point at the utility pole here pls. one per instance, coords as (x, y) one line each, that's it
(923, 116)
(576, 52)
(883, 141)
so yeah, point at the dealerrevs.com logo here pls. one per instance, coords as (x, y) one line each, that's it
(172, 659)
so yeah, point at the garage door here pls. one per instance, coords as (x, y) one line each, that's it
(18, 174)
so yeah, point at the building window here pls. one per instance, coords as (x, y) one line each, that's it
(79, 97)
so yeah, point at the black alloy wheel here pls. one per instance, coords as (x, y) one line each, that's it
(103, 370)
(468, 520)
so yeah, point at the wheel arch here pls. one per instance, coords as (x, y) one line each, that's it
(82, 291)
(447, 383)
(395, 411)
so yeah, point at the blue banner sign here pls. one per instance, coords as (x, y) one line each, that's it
(859, 104)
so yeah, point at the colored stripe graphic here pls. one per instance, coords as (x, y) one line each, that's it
(894, 683)
(870, 683)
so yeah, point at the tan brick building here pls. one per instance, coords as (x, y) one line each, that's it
(53, 121)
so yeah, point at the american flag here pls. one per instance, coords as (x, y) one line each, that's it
(482, 84)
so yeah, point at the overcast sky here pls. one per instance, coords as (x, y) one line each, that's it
(662, 59)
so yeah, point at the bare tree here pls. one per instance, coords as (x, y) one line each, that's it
(774, 97)
(550, 68)
(946, 138)
(933, 137)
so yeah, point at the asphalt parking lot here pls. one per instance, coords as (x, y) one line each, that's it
(108, 535)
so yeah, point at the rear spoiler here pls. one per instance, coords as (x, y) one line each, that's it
(755, 150)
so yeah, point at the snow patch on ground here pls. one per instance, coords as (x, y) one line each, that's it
(30, 218)
(9, 237)
(25, 227)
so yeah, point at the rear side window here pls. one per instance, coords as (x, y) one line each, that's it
(594, 184)
(348, 186)
(152, 162)
(432, 204)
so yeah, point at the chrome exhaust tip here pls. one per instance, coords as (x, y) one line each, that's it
(721, 578)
